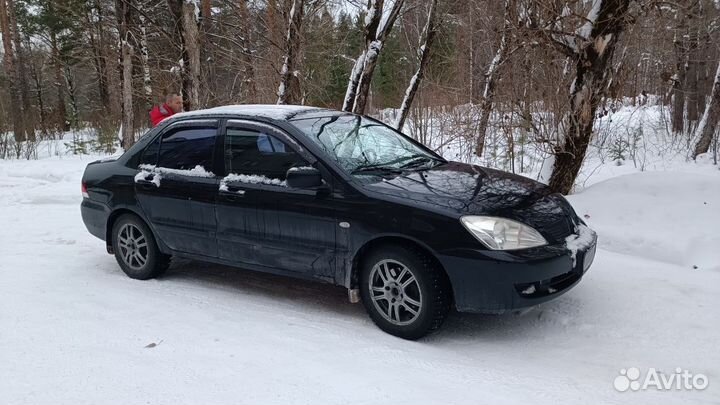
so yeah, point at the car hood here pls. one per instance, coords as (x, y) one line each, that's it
(463, 189)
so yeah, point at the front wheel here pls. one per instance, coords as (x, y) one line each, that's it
(405, 293)
(136, 250)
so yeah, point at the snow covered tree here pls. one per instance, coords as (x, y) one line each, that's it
(491, 76)
(428, 37)
(591, 49)
(378, 24)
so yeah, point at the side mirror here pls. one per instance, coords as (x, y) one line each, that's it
(303, 177)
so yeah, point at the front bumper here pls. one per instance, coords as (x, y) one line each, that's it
(492, 281)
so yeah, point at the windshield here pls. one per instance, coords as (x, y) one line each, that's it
(365, 147)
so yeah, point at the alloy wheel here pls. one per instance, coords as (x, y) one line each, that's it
(395, 292)
(133, 246)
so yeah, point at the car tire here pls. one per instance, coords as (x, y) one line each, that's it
(136, 250)
(404, 291)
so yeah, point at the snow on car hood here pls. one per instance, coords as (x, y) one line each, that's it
(462, 189)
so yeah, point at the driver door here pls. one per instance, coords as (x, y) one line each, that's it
(261, 220)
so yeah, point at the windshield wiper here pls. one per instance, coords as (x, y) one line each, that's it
(376, 169)
(417, 161)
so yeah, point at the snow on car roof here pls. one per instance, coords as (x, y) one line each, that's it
(272, 111)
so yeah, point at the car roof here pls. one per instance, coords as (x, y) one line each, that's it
(271, 111)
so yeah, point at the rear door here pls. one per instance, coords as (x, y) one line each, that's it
(263, 221)
(177, 188)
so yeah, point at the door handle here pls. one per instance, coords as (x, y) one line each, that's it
(146, 184)
(232, 194)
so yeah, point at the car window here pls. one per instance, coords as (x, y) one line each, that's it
(356, 142)
(150, 155)
(186, 148)
(256, 153)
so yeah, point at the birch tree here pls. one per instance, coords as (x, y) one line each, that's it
(491, 76)
(145, 59)
(378, 24)
(289, 89)
(427, 39)
(591, 48)
(709, 122)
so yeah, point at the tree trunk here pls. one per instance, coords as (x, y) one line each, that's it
(593, 69)
(10, 71)
(72, 96)
(28, 132)
(709, 122)
(372, 21)
(95, 32)
(187, 33)
(427, 41)
(191, 44)
(289, 89)
(353, 82)
(377, 29)
(678, 84)
(475, 54)
(206, 13)
(61, 111)
(124, 15)
(691, 87)
(250, 87)
(36, 73)
(128, 117)
(491, 75)
(144, 63)
(694, 98)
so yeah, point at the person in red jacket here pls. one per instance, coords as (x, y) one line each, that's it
(173, 104)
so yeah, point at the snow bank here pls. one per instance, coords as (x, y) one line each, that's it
(670, 217)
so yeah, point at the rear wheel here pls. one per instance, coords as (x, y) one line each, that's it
(405, 293)
(136, 250)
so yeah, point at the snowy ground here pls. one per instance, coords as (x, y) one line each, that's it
(74, 329)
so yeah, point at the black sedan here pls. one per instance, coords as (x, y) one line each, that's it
(340, 198)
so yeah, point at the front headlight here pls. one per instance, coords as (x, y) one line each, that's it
(501, 233)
